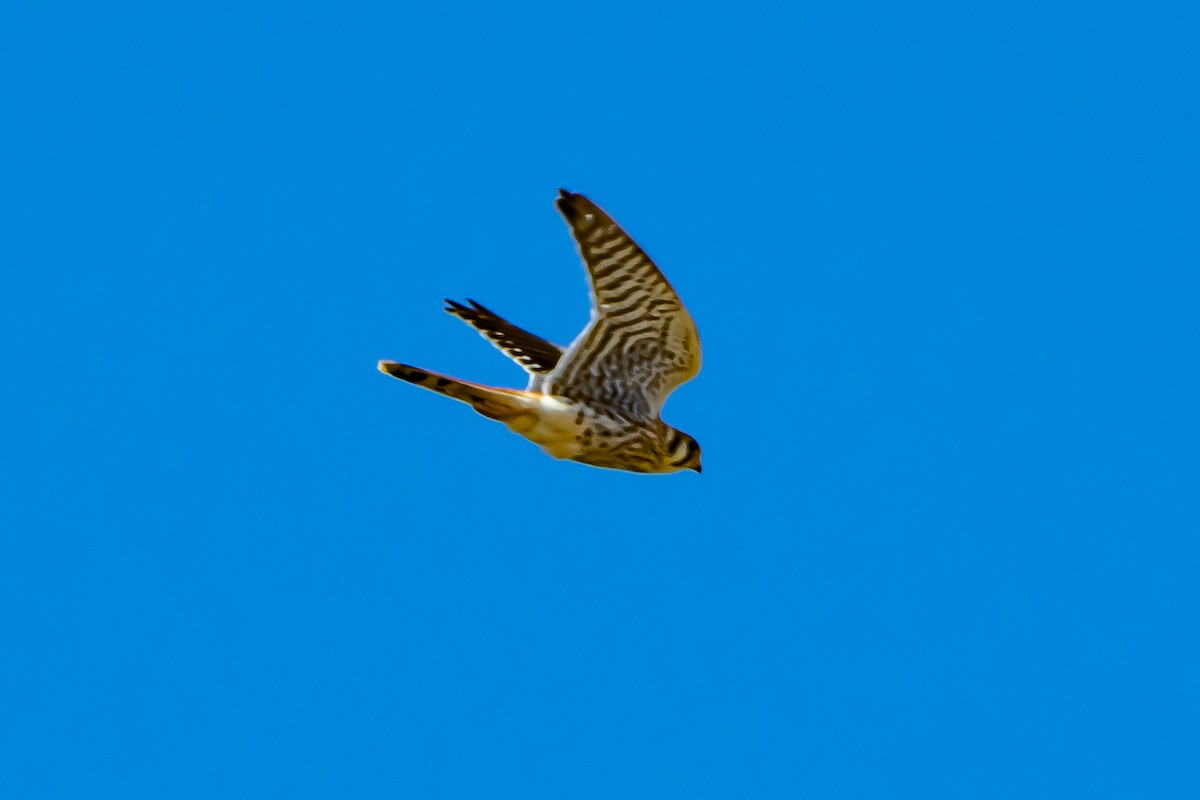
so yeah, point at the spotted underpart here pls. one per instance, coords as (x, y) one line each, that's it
(597, 402)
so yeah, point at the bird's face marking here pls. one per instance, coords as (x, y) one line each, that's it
(683, 452)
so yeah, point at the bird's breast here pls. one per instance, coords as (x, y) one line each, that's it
(555, 424)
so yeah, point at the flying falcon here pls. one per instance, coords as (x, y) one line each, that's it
(598, 401)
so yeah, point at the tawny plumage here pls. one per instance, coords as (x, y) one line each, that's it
(598, 401)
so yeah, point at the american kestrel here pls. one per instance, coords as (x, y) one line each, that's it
(597, 401)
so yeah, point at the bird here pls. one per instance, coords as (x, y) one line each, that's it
(597, 401)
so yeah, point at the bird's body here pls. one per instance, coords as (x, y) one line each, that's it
(597, 401)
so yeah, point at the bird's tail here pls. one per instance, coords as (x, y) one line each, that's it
(507, 405)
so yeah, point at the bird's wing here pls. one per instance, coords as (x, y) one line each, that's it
(535, 355)
(640, 343)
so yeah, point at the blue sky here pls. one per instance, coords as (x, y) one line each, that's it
(944, 264)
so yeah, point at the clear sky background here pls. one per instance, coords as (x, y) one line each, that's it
(944, 261)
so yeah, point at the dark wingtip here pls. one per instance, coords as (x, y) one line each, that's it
(566, 204)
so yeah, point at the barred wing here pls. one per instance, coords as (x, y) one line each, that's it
(532, 352)
(640, 343)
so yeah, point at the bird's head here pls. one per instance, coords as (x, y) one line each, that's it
(683, 452)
